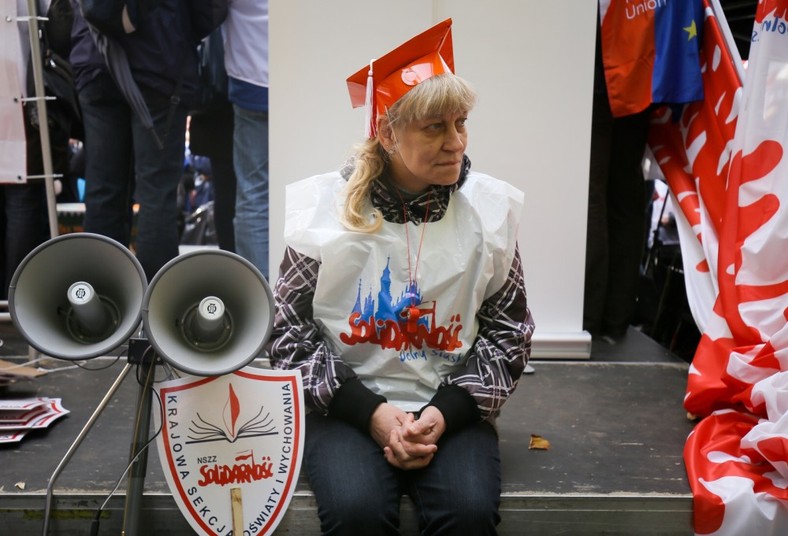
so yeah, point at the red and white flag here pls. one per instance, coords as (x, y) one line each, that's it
(725, 162)
(692, 147)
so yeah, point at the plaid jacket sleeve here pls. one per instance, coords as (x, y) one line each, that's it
(295, 342)
(502, 347)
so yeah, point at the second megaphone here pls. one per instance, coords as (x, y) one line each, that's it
(208, 312)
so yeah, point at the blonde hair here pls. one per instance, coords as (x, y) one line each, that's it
(444, 93)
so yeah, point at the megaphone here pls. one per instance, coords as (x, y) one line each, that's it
(208, 312)
(77, 296)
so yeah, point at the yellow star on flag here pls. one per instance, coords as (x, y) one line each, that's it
(692, 31)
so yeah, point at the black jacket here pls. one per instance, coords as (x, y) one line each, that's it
(162, 51)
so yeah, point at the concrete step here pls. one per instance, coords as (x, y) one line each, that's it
(614, 466)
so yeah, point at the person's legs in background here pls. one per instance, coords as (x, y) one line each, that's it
(224, 191)
(597, 245)
(211, 135)
(23, 225)
(250, 156)
(108, 160)
(616, 208)
(24, 212)
(158, 171)
(626, 206)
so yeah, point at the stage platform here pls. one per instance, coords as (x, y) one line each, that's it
(615, 424)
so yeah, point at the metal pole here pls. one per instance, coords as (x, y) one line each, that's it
(43, 124)
(104, 401)
(139, 457)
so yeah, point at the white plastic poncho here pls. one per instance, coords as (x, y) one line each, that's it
(363, 293)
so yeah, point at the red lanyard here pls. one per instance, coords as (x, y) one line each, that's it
(413, 313)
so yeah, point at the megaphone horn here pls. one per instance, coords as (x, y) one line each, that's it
(77, 296)
(208, 312)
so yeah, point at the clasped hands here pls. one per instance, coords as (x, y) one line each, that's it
(407, 442)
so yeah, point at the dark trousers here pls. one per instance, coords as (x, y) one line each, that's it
(124, 165)
(211, 135)
(616, 208)
(23, 226)
(358, 491)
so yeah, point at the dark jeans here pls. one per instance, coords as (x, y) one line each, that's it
(358, 492)
(23, 226)
(124, 165)
(211, 135)
(616, 216)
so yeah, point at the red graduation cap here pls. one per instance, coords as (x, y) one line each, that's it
(386, 79)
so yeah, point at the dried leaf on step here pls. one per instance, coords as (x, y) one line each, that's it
(538, 443)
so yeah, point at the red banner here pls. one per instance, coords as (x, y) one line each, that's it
(723, 159)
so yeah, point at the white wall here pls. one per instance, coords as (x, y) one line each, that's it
(532, 64)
